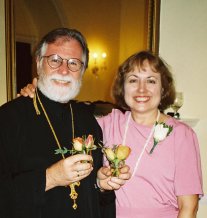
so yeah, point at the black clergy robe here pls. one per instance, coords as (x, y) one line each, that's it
(27, 148)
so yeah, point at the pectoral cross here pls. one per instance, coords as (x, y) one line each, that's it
(74, 194)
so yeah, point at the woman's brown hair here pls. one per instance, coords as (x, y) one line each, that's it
(157, 65)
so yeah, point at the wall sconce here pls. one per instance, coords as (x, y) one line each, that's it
(98, 63)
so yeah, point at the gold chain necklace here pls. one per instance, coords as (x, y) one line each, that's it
(73, 193)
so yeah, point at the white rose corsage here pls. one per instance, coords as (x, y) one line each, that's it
(161, 131)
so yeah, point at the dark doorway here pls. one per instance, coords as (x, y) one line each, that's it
(23, 64)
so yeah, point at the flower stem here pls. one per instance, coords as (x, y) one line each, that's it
(152, 149)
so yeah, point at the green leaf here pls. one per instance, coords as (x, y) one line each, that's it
(169, 130)
(62, 151)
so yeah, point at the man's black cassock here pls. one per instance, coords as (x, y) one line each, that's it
(27, 148)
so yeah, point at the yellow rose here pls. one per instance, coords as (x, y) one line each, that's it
(122, 152)
(109, 154)
(78, 144)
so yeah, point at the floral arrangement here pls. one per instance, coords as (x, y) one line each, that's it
(84, 145)
(116, 157)
(81, 145)
(162, 130)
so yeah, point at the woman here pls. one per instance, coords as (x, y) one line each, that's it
(166, 173)
(166, 180)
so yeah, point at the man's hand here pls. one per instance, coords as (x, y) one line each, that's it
(69, 170)
(29, 90)
(107, 182)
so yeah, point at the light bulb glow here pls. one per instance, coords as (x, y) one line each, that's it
(95, 55)
(104, 55)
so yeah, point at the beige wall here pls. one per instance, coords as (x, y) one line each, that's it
(3, 95)
(183, 45)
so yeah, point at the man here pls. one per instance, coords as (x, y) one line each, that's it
(36, 180)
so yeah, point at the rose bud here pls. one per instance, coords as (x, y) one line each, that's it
(122, 152)
(89, 141)
(109, 154)
(78, 144)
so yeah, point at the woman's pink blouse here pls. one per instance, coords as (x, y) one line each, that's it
(173, 169)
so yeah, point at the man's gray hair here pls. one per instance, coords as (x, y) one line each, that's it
(56, 34)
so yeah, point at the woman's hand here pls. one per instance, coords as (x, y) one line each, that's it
(29, 90)
(107, 182)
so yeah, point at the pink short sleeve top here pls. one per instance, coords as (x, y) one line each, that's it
(172, 169)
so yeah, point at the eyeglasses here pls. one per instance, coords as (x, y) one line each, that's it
(55, 61)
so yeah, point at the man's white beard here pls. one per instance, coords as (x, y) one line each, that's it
(61, 94)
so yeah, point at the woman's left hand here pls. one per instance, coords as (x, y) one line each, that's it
(107, 182)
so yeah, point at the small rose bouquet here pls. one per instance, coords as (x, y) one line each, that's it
(81, 145)
(116, 157)
(162, 130)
